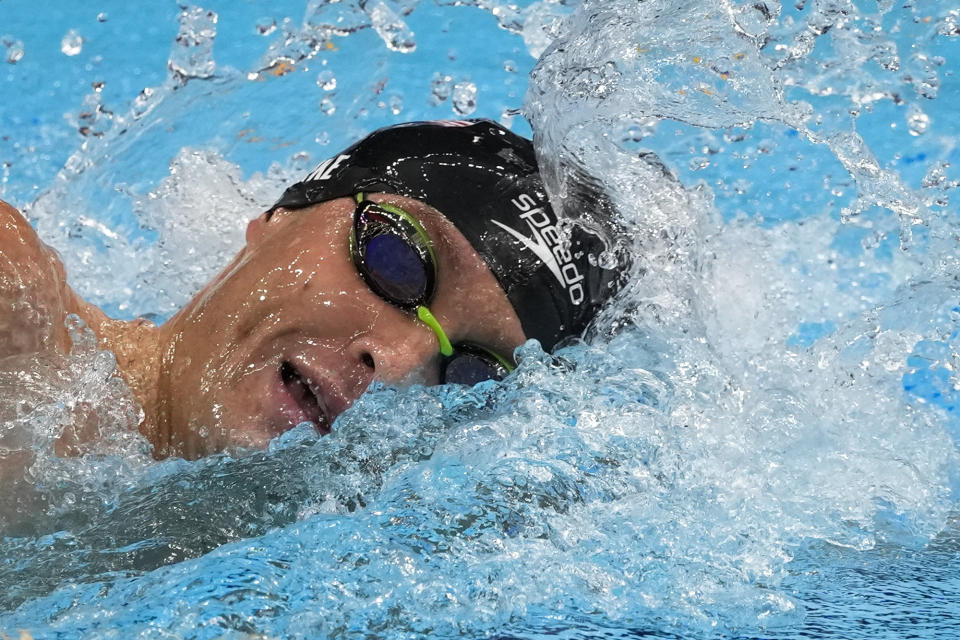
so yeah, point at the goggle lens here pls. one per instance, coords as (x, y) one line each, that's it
(471, 364)
(393, 253)
(396, 270)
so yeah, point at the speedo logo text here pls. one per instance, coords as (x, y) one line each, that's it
(547, 244)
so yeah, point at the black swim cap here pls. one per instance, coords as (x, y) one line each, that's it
(484, 179)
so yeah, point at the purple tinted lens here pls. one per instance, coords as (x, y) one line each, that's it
(396, 269)
(469, 369)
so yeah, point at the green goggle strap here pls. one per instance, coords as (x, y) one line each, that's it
(427, 318)
(503, 361)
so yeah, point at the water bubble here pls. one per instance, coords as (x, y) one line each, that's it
(14, 49)
(698, 163)
(509, 16)
(72, 43)
(192, 53)
(639, 130)
(322, 138)
(142, 103)
(873, 240)
(102, 16)
(464, 98)
(935, 176)
(266, 26)
(441, 86)
(923, 75)
(510, 66)
(950, 25)
(607, 260)
(326, 80)
(917, 120)
(390, 26)
(327, 107)
(734, 135)
(936, 179)
(396, 104)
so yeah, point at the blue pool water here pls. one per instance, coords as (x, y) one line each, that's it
(759, 442)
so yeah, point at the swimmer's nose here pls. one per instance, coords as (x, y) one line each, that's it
(406, 352)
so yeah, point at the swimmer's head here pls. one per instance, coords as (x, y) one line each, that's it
(423, 247)
(485, 180)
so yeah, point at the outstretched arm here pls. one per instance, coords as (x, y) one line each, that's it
(34, 296)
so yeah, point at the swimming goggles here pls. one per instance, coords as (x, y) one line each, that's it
(395, 257)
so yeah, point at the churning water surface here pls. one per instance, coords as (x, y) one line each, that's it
(760, 441)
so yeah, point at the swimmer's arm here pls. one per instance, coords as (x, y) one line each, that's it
(34, 296)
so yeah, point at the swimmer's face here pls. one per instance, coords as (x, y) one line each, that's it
(289, 332)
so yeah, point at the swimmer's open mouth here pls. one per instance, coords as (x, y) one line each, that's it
(307, 396)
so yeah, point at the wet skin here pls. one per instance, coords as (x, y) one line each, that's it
(288, 332)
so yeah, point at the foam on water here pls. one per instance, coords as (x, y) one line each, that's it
(772, 400)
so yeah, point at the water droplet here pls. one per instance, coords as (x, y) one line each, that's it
(326, 80)
(510, 66)
(14, 49)
(937, 178)
(390, 26)
(266, 26)
(949, 26)
(322, 138)
(441, 86)
(327, 107)
(464, 98)
(698, 163)
(396, 104)
(872, 240)
(102, 17)
(141, 104)
(72, 43)
(917, 120)
(192, 53)
(607, 260)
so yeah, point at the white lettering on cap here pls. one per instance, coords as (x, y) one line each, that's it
(546, 244)
(325, 169)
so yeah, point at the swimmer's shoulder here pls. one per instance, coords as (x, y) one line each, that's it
(34, 296)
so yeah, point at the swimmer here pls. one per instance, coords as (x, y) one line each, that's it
(424, 254)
